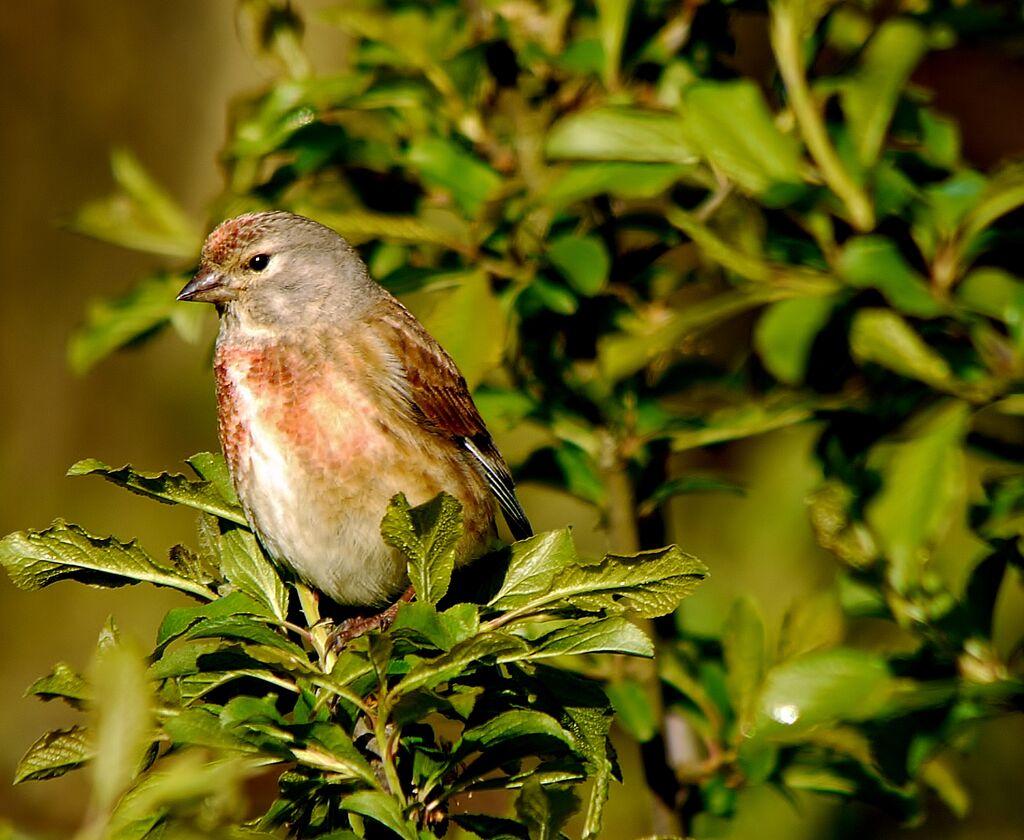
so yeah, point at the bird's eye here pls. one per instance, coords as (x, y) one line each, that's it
(259, 262)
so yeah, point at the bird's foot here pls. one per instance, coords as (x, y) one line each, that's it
(353, 628)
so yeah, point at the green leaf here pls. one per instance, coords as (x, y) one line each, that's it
(869, 97)
(619, 133)
(54, 754)
(582, 260)
(731, 125)
(622, 180)
(613, 18)
(921, 480)
(786, 332)
(166, 487)
(742, 421)
(544, 810)
(511, 726)
(475, 652)
(875, 262)
(1005, 193)
(427, 535)
(883, 337)
(743, 647)
(140, 216)
(35, 559)
(821, 688)
(467, 320)
(178, 620)
(383, 808)
(684, 485)
(997, 294)
(112, 323)
(358, 226)
(633, 708)
(604, 635)
(241, 560)
(650, 583)
(442, 630)
(63, 682)
(445, 165)
(326, 746)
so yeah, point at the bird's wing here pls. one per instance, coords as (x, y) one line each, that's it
(438, 391)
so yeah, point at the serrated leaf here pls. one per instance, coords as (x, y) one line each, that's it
(619, 133)
(443, 630)
(180, 619)
(35, 559)
(241, 560)
(604, 635)
(383, 808)
(427, 535)
(172, 488)
(63, 682)
(54, 754)
(476, 651)
(650, 583)
(113, 323)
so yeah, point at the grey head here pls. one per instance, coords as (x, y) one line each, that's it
(277, 269)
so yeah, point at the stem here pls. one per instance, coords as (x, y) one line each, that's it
(384, 743)
(623, 535)
(787, 45)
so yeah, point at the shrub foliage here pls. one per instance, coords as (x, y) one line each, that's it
(638, 233)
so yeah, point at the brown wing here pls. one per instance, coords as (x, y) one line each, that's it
(438, 391)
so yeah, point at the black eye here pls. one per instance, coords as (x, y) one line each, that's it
(259, 262)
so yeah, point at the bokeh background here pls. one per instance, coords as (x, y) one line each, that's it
(155, 77)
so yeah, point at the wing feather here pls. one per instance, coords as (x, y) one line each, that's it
(438, 391)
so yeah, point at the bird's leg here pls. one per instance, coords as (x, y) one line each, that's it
(356, 626)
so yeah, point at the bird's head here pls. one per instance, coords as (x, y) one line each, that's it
(276, 267)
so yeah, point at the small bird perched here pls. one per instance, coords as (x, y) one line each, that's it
(331, 399)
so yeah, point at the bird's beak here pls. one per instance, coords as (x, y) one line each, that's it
(208, 286)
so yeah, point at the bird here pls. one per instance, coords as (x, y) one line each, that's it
(331, 399)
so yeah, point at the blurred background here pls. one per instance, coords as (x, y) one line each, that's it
(81, 79)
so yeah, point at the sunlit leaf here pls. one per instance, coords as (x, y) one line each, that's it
(731, 124)
(427, 536)
(35, 559)
(869, 97)
(615, 133)
(172, 488)
(54, 754)
(141, 215)
(921, 480)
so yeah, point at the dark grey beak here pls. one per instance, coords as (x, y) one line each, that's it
(208, 286)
